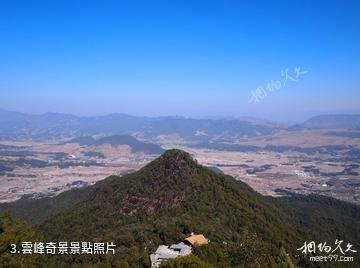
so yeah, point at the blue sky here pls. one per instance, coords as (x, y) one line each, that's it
(192, 58)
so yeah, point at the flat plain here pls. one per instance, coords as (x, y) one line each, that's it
(301, 161)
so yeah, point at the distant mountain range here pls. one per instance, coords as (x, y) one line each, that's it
(115, 140)
(174, 196)
(341, 121)
(48, 126)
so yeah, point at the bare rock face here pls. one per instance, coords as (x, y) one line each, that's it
(165, 184)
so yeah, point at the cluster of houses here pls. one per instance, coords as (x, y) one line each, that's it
(181, 249)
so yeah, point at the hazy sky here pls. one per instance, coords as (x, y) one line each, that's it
(193, 58)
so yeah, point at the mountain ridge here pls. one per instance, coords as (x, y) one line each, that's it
(54, 125)
(116, 140)
(335, 121)
(173, 195)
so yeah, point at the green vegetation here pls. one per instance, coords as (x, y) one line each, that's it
(36, 211)
(173, 196)
(188, 262)
(12, 233)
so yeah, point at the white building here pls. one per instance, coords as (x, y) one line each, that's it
(181, 249)
(164, 253)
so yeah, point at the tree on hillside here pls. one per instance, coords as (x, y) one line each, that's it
(12, 233)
